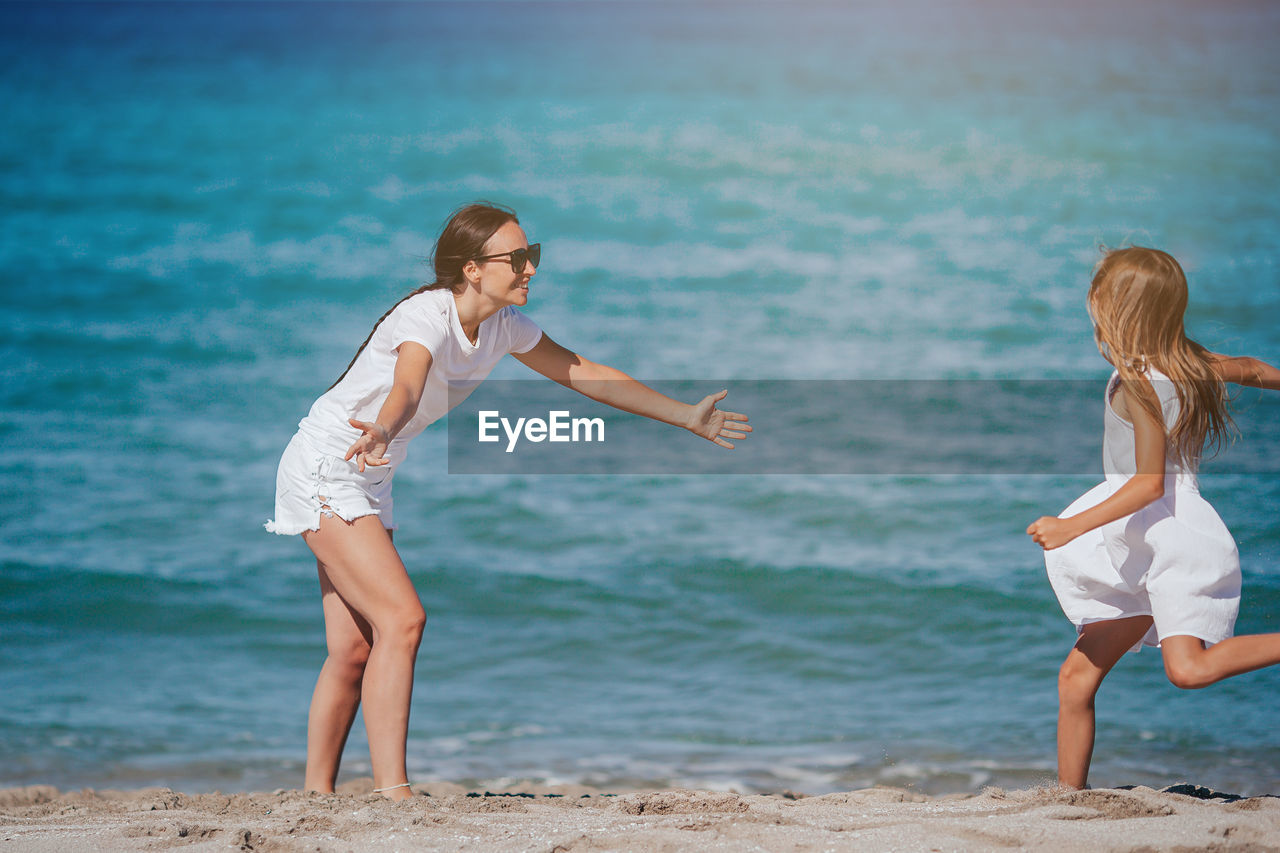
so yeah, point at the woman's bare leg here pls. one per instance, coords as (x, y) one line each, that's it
(349, 638)
(368, 576)
(1100, 646)
(1190, 665)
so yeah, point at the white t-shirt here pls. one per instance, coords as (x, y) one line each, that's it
(457, 367)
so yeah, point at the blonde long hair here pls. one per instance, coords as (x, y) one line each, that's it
(1137, 299)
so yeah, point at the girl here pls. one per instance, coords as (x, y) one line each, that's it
(1143, 558)
(334, 481)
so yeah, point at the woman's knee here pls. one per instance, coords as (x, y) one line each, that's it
(403, 627)
(350, 654)
(416, 623)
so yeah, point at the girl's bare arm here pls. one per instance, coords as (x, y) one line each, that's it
(1244, 370)
(1143, 488)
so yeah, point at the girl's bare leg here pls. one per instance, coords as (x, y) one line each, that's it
(349, 639)
(1100, 646)
(1190, 665)
(368, 577)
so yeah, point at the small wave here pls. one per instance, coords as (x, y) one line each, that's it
(334, 255)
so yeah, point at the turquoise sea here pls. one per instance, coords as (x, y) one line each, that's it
(205, 206)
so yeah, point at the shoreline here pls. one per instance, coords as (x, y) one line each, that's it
(531, 816)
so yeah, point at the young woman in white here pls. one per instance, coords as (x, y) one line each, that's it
(334, 481)
(1142, 557)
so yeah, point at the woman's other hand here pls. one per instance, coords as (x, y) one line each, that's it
(371, 447)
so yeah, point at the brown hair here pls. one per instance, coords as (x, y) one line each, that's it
(1137, 300)
(463, 237)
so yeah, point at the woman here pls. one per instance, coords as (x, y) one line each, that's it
(334, 482)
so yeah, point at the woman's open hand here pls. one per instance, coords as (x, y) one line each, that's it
(715, 424)
(371, 447)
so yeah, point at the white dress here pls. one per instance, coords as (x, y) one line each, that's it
(1173, 560)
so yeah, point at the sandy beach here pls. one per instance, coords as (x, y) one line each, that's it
(530, 817)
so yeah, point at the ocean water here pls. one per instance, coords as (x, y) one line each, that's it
(207, 205)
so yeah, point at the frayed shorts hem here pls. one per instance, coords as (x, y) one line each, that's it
(311, 484)
(296, 529)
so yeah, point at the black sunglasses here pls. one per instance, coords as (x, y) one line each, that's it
(519, 257)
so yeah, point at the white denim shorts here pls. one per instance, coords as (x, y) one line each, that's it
(310, 482)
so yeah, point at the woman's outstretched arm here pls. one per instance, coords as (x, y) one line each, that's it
(612, 387)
